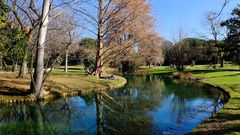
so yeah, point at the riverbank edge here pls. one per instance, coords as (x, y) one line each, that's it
(57, 92)
(204, 128)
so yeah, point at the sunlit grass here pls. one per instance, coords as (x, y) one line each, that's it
(72, 70)
(227, 120)
(155, 70)
(167, 69)
(210, 67)
(61, 83)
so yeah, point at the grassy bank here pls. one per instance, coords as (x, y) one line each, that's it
(227, 120)
(59, 84)
(154, 70)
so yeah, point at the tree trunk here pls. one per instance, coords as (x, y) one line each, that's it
(1, 62)
(23, 67)
(150, 65)
(37, 82)
(99, 69)
(66, 61)
(14, 66)
(193, 63)
(221, 62)
(4, 65)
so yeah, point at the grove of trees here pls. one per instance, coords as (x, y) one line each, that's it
(191, 51)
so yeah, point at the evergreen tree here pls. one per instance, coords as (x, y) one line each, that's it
(232, 41)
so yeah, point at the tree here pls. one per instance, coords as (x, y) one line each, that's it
(217, 34)
(13, 48)
(37, 79)
(195, 47)
(178, 55)
(87, 53)
(232, 42)
(123, 41)
(4, 9)
(60, 35)
(166, 46)
(25, 15)
(151, 50)
(117, 24)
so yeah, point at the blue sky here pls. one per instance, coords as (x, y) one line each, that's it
(188, 15)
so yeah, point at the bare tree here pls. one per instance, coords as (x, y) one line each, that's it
(115, 23)
(179, 53)
(213, 21)
(151, 50)
(25, 15)
(61, 34)
(37, 79)
(217, 33)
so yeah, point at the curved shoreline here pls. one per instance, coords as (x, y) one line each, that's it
(216, 124)
(58, 91)
(227, 119)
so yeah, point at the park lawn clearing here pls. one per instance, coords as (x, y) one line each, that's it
(59, 84)
(83, 84)
(227, 67)
(154, 70)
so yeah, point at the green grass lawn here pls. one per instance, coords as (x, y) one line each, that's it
(72, 70)
(227, 120)
(195, 69)
(228, 67)
(155, 70)
(60, 83)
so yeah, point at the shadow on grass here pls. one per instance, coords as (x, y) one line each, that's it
(210, 71)
(107, 86)
(73, 72)
(228, 117)
(199, 71)
(74, 68)
(228, 130)
(223, 123)
(12, 92)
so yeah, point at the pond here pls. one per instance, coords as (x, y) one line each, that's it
(147, 105)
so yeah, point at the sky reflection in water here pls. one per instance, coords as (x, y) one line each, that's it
(146, 105)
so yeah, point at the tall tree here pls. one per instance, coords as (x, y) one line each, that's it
(151, 50)
(37, 80)
(232, 47)
(178, 55)
(61, 34)
(124, 38)
(98, 65)
(13, 48)
(116, 24)
(4, 9)
(217, 33)
(25, 15)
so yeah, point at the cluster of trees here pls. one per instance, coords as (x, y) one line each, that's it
(232, 41)
(42, 34)
(191, 51)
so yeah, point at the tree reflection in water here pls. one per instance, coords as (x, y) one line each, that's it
(146, 105)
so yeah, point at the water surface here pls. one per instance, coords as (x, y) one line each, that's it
(148, 105)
